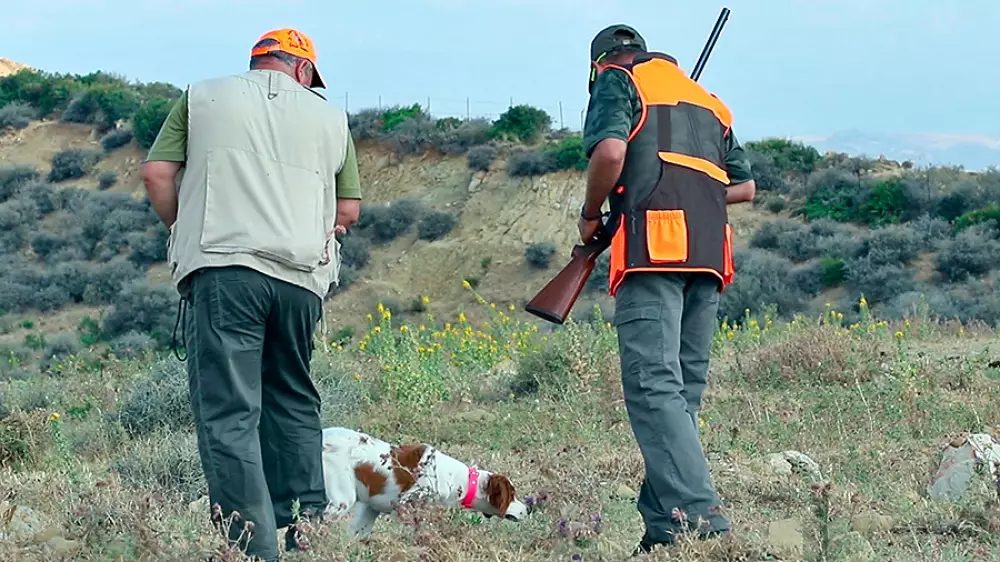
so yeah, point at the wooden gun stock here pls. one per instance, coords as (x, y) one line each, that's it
(556, 299)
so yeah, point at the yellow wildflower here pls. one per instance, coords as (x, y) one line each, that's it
(369, 317)
(899, 334)
(425, 300)
(54, 416)
(377, 329)
(466, 284)
(461, 317)
(404, 328)
(357, 377)
(510, 307)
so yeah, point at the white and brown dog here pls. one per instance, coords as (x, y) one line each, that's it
(367, 477)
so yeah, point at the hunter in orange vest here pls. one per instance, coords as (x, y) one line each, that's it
(663, 154)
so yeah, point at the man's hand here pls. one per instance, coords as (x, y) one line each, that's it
(348, 211)
(588, 229)
(159, 178)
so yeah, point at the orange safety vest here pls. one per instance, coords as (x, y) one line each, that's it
(669, 208)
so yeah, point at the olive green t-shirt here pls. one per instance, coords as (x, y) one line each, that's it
(171, 146)
(615, 110)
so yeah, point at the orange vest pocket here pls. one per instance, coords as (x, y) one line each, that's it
(728, 266)
(667, 236)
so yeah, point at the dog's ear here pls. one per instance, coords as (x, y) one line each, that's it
(500, 492)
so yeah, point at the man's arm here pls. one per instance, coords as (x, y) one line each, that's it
(742, 187)
(164, 161)
(348, 188)
(605, 136)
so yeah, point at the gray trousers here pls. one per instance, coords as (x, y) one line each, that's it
(665, 324)
(257, 412)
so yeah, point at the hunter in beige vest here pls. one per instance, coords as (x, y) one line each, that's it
(260, 185)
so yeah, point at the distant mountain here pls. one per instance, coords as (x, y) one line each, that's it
(973, 152)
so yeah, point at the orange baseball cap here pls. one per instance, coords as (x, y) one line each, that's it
(295, 43)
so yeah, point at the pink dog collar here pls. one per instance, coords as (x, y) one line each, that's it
(472, 488)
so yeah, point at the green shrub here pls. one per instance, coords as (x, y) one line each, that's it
(761, 280)
(958, 201)
(769, 234)
(148, 248)
(142, 308)
(157, 402)
(833, 194)
(354, 251)
(522, 122)
(107, 179)
(987, 214)
(58, 349)
(116, 139)
(547, 373)
(481, 157)
(166, 464)
(879, 283)
(889, 201)
(767, 176)
(13, 178)
(833, 271)
(462, 137)
(774, 204)
(413, 136)
(102, 105)
(148, 120)
(385, 223)
(891, 245)
(529, 162)
(395, 116)
(568, 154)
(132, 345)
(17, 116)
(539, 254)
(787, 157)
(72, 163)
(365, 124)
(930, 231)
(973, 252)
(807, 278)
(435, 225)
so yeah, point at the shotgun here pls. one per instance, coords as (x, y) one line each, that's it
(556, 299)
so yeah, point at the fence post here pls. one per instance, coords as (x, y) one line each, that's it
(347, 105)
(561, 124)
(468, 113)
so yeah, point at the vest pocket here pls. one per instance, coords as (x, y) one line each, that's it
(261, 206)
(667, 236)
(728, 266)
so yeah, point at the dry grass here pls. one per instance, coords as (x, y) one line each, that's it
(116, 476)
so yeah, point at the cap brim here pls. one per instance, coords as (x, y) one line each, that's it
(317, 80)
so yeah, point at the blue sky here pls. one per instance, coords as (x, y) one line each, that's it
(786, 67)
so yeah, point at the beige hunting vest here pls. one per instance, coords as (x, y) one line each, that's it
(259, 188)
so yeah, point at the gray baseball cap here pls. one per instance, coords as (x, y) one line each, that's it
(614, 38)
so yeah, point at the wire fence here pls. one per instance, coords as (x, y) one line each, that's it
(564, 116)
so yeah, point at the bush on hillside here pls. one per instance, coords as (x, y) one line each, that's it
(462, 137)
(116, 139)
(102, 106)
(787, 157)
(18, 213)
(807, 278)
(108, 279)
(13, 178)
(768, 235)
(767, 176)
(523, 123)
(973, 252)
(959, 200)
(354, 251)
(833, 271)
(761, 280)
(930, 231)
(879, 283)
(833, 194)
(568, 154)
(435, 225)
(481, 157)
(44, 195)
(539, 254)
(148, 120)
(107, 179)
(145, 309)
(891, 245)
(385, 223)
(529, 162)
(57, 350)
(149, 247)
(16, 116)
(365, 124)
(773, 203)
(157, 401)
(988, 216)
(72, 163)
(132, 345)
